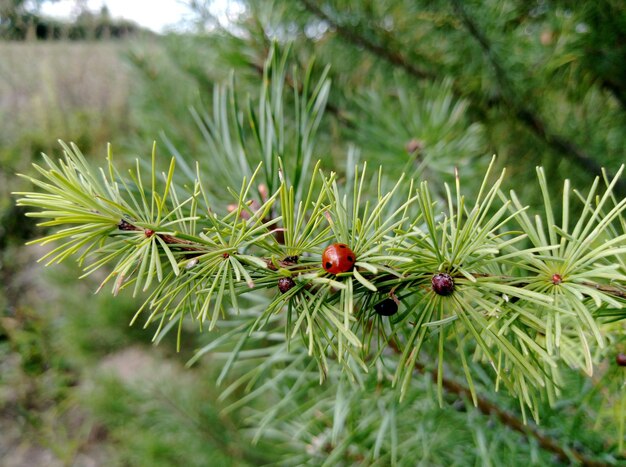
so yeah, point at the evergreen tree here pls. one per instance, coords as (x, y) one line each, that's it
(384, 304)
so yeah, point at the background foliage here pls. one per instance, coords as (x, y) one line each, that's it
(540, 83)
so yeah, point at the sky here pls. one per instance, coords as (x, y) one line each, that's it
(157, 15)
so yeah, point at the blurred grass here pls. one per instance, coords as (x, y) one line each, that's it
(71, 91)
(49, 91)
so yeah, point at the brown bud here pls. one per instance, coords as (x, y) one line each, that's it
(414, 146)
(620, 359)
(285, 284)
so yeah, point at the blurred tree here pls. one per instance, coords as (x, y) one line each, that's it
(20, 20)
(16, 16)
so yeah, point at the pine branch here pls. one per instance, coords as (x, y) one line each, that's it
(614, 291)
(465, 245)
(291, 262)
(523, 113)
(127, 226)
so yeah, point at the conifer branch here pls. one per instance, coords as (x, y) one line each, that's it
(611, 290)
(330, 107)
(169, 239)
(397, 255)
(394, 278)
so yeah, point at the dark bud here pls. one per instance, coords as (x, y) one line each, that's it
(459, 405)
(291, 259)
(387, 307)
(148, 232)
(124, 225)
(620, 359)
(443, 284)
(285, 284)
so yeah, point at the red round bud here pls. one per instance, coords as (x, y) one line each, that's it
(148, 232)
(620, 359)
(556, 279)
(338, 258)
(442, 284)
(285, 284)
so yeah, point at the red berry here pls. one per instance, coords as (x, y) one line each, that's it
(620, 359)
(148, 232)
(387, 307)
(442, 284)
(338, 258)
(285, 284)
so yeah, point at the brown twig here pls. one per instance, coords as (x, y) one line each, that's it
(608, 289)
(388, 279)
(565, 453)
(169, 239)
(353, 36)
